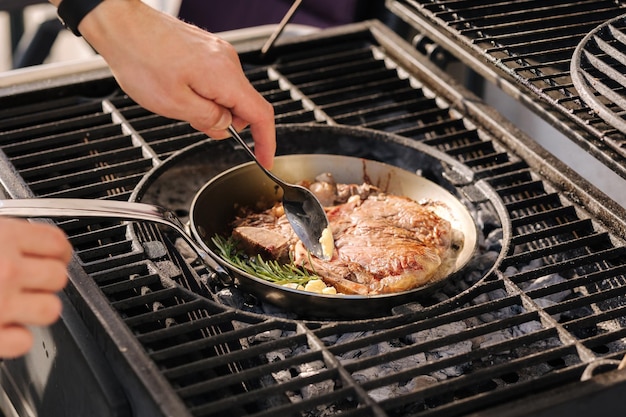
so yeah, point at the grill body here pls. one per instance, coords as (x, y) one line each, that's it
(539, 331)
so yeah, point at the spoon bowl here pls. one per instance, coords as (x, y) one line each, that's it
(302, 208)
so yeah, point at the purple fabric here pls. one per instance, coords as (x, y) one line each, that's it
(221, 15)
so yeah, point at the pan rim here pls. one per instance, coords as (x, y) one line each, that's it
(302, 293)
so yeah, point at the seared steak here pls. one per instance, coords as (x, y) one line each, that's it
(383, 243)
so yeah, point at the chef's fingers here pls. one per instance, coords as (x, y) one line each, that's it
(32, 274)
(216, 119)
(35, 239)
(16, 341)
(30, 309)
(246, 105)
(210, 118)
(251, 107)
(239, 124)
(264, 135)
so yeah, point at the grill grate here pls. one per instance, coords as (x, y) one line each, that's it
(515, 333)
(526, 47)
(598, 71)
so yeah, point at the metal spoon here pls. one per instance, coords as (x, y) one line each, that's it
(302, 208)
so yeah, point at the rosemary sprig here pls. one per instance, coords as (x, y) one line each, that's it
(270, 270)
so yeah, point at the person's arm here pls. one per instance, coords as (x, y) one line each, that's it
(178, 70)
(33, 267)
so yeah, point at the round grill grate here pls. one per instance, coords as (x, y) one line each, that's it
(598, 70)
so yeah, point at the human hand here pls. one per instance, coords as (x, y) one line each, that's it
(33, 267)
(180, 71)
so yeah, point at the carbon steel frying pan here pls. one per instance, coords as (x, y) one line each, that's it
(213, 208)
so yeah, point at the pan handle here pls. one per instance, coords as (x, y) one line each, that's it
(126, 210)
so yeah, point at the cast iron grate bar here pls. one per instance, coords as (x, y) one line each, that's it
(145, 120)
(142, 118)
(35, 118)
(451, 140)
(601, 276)
(372, 84)
(542, 33)
(548, 216)
(470, 152)
(495, 165)
(109, 261)
(246, 331)
(250, 399)
(93, 159)
(168, 138)
(205, 321)
(77, 150)
(597, 298)
(484, 374)
(429, 116)
(146, 297)
(575, 229)
(370, 113)
(473, 399)
(595, 260)
(113, 188)
(249, 353)
(163, 312)
(83, 176)
(124, 286)
(421, 368)
(206, 387)
(592, 241)
(109, 249)
(85, 235)
(21, 145)
(66, 125)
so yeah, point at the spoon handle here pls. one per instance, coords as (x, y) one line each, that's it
(243, 143)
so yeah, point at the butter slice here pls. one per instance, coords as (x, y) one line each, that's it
(327, 242)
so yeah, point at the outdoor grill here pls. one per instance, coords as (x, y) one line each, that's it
(535, 326)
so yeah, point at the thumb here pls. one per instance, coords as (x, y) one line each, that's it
(212, 120)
